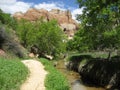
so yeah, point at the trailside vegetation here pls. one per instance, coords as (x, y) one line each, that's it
(12, 74)
(54, 80)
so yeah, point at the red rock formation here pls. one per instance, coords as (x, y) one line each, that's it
(64, 18)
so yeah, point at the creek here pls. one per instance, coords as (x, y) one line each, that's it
(74, 80)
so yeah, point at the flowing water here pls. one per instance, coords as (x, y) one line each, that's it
(74, 78)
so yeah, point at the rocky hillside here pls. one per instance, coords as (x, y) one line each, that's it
(64, 18)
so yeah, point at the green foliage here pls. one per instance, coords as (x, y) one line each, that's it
(94, 54)
(47, 36)
(12, 74)
(78, 42)
(54, 80)
(7, 19)
(4, 18)
(100, 23)
(24, 29)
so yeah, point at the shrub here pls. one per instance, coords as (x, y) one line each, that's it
(46, 36)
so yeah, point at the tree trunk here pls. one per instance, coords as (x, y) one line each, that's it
(109, 55)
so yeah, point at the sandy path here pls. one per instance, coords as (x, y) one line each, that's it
(35, 81)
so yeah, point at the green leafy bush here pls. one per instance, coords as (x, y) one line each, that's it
(47, 36)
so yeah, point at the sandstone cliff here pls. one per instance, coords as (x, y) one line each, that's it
(64, 18)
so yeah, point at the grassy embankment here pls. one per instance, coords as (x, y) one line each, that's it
(95, 54)
(12, 74)
(54, 80)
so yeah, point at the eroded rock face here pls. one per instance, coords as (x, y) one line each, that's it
(64, 18)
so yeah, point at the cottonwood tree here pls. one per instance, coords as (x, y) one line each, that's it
(46, 36)
(100, 23)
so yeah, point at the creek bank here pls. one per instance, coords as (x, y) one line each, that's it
(97, 71)
(74, 79)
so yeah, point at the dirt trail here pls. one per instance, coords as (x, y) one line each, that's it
(35, 81)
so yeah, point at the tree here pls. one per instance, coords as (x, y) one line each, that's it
(24, 30)
(79, 42)
(100, 22)
(7, 19)
(46, 36)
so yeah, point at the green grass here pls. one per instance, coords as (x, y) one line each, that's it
(94, 54)
(12, 74)
(54, 80)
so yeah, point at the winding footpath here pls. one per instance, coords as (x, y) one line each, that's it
(36, 78)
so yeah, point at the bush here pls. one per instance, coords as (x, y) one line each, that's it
(55, 80)
(46, 36)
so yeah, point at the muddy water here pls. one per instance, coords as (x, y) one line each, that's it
(74, 78)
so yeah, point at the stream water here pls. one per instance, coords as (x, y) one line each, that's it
(74, 78)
